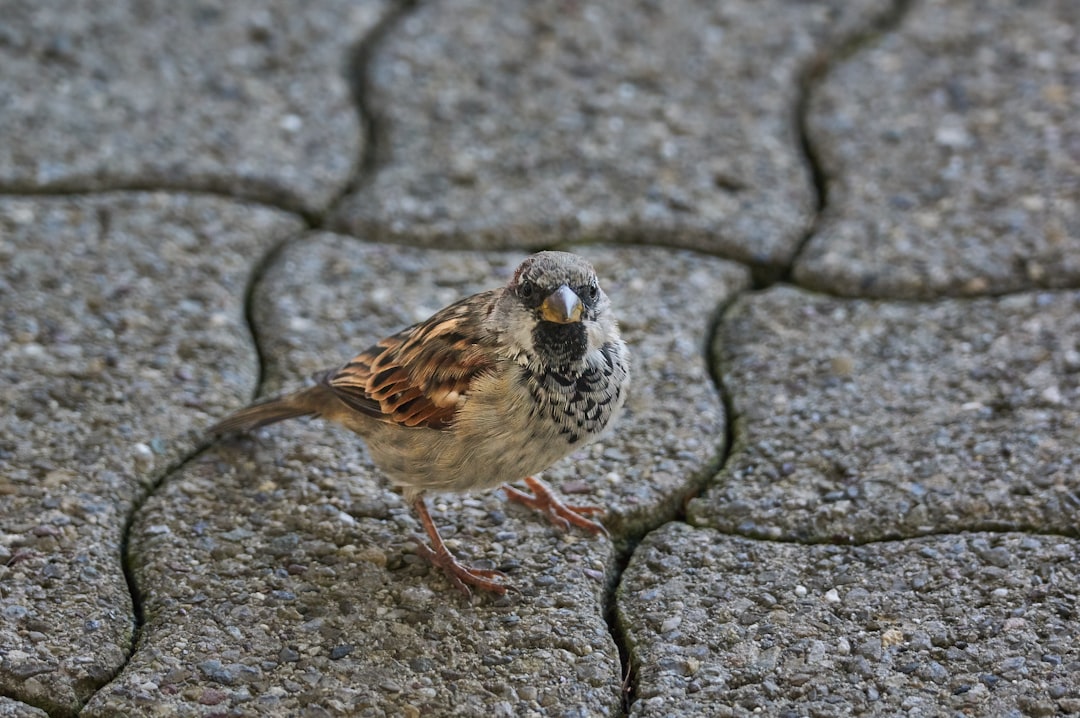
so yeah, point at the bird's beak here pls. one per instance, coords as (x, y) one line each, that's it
(562, 306)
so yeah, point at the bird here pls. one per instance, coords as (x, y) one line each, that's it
(492, 389)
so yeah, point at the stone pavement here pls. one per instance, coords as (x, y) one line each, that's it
(843, 242)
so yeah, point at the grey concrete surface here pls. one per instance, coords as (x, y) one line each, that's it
(246, 98)
(838, 486)
(526, 124)
(962, 624)
(860, 420)
(122, 334)
(953, 155)
(14, 709)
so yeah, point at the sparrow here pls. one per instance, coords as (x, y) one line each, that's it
(494, 388)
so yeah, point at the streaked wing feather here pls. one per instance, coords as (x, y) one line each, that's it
(419, 376)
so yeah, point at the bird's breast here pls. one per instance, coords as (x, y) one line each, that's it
(516, 421)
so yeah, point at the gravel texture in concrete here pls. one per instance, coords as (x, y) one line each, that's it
(893, 529)
(10, 708)
(507, 123)
(121, 333)
(952, 153)
(966, 624)
(251, 98)
(858, 420)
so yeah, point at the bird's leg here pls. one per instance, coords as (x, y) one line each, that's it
(461, 575)
(543, 499)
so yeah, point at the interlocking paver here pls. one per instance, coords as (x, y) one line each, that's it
(249, 98)
(512, 124)
(967, 624)
(953, 155)
(276, 572)
(122, 333)
(864, 420)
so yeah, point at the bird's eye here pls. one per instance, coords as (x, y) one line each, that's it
(526, 289)
(594, 291)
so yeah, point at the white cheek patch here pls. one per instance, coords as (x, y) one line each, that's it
(519, 329)
(599, 331)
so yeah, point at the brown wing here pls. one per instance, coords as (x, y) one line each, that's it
(419, 376)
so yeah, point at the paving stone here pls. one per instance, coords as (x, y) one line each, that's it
(248, 98)
(953, 155)
(862, 420)
(14, 709)
(971, 624)
(508, 124)
(276, 571)
(121, 334)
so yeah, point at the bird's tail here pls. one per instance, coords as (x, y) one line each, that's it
(306, 402)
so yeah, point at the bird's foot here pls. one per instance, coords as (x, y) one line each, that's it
(543, 499)
(461, 575)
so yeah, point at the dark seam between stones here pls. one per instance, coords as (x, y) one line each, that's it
(618, 632)
(987, 527)
(626, 546)
(262, 194)
(24, 702)
(811, 77)
(132, 190)
(258, 272)
(937, 297)
(126, 560)
(373, 152)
